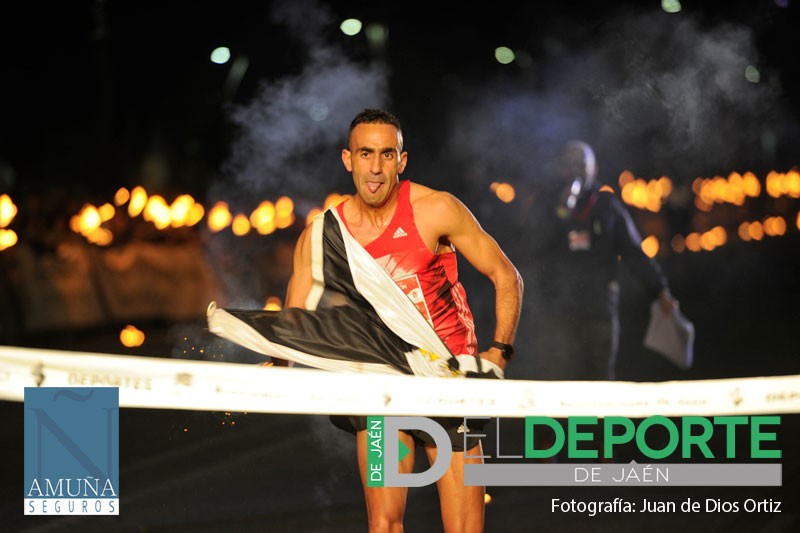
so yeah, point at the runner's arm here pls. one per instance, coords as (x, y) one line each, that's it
(461, 228)
(300, 281)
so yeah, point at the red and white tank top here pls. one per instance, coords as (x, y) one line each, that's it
(430, 280)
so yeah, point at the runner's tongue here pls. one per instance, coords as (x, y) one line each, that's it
(373, 186)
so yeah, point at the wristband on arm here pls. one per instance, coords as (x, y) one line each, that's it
(506, 349)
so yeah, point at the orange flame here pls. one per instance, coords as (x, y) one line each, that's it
(106, 212)
(284, 212)
(7, 210)
(8, 238)
(158, 212)
(693, 242)
(180, 210)
(86, 221)
(755, 230)
(219, 217)
(121, 196)
(131, 336)
(744, 231)
(263, 218)
(644, 194)
(137, 202)
(719, 235)
(625, 178)
(195, 214)
(650, 246)
(240, 226)
(751, 185)
(793, 183)
(774, 226)
(505, 192)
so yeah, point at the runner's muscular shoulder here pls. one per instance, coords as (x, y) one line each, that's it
(439, 215)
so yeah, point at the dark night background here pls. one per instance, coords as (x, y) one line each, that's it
(98, 95)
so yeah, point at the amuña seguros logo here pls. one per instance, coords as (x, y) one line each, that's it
(71, 464)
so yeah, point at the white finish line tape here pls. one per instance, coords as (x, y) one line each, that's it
(213, 386)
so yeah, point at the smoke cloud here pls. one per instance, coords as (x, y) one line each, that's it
(288, 141)
(653, 93)
(292, 130)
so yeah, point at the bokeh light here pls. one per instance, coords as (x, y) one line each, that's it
(350, 27)
(650, 246)
(8, 210)
(504, 55)
(220, 55)
(131, 336)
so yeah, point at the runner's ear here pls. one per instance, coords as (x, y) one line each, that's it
(347, 159)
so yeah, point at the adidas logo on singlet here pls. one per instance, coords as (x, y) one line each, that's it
(399, 233)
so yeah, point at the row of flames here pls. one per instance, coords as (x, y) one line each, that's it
(650, 195)
(270, 216)
(184, 211)
(718, 236)
(735, 189)
(8, 237)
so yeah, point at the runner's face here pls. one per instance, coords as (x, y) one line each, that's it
(375, 159)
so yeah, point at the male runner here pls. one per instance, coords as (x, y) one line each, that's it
(413, 232)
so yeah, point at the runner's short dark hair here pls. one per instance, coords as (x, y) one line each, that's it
(376, 116)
